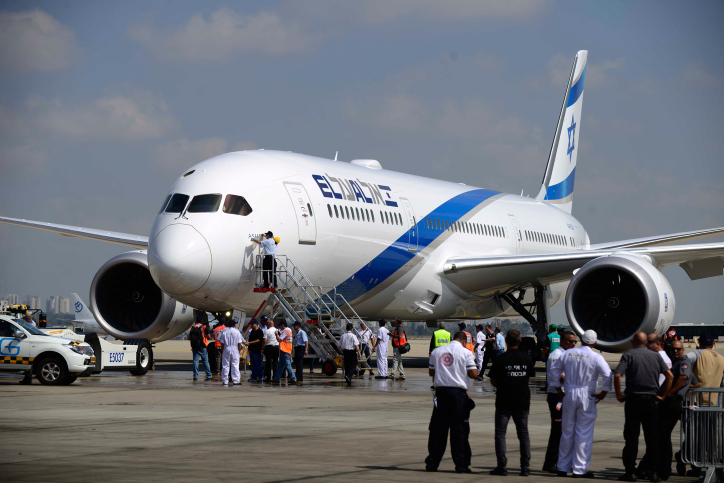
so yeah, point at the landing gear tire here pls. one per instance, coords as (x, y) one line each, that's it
(329, 367)
(144, 356)
(51, 371)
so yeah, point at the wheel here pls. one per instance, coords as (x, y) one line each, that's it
(51, 371)
(70, 379)
(144, 356)
(329, 367)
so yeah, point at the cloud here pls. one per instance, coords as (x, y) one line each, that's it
(698, 75)
(182, 153)
(598, 74)
(134, 117)
(35, 41)
(224, 34)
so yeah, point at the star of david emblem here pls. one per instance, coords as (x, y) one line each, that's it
(571, 139)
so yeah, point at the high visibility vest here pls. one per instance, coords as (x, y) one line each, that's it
(401, 341)
(286, 346)
(442, 337)
(469, 341)
(203, 333)
(217, 333)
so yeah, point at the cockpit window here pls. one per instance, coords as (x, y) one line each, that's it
(205, 204)
(236, 205)
(177, 203)
(165, 203)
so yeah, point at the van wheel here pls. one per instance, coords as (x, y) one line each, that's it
(329, 367)
(144, 357)
(51, 371)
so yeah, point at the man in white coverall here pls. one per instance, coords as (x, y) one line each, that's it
(383, 337)
(582, 367)
(231, 342)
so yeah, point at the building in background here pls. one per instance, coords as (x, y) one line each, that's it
(32, 301)
(64, 305)
(52, 305)
(12, 299)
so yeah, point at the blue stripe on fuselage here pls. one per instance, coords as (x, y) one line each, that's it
(562, 189)
(576, 90)
(397, 255)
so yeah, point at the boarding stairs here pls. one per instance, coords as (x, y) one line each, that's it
(322, 312)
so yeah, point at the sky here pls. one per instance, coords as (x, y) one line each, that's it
(104, 104)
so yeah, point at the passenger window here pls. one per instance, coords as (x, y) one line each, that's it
(352, 210)
(165, 202)
(236, 205)
(330, 211)
(336, 213)
(382, 217)
(387, 218)
(310, 209)
(372, 212)
(177, 203)
(358, 217)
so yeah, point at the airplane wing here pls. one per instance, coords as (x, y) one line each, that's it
(134, 241)
(660, 240)
(480, 275)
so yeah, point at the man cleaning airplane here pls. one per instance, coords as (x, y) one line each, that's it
(384, 244)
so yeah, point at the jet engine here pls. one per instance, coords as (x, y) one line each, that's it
(127, 303)
(618, 296)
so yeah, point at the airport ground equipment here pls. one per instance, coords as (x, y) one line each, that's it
(322, 311)
(702, 431)
(55, 361)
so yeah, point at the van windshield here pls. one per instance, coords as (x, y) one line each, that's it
(205, 204)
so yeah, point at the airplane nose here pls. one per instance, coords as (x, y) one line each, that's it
(179, 259)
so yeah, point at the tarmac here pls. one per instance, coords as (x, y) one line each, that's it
(164, 426)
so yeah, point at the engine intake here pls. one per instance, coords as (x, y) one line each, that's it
(127, 303)
(618, 296)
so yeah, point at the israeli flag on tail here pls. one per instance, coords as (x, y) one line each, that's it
(560, 174)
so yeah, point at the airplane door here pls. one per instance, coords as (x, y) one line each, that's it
(516, 233)
(303, 212)
(411, 225)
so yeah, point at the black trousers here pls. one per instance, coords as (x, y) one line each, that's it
(489, 356)
(641, 411)
(299, 362)
(451, 414)
(669, 415)
(269, 266)
(554, 440)
(271, 356)
(520, 418)
(350, 364)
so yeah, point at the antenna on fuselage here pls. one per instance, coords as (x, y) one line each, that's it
(335, 155)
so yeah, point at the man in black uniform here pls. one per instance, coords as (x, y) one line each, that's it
(642, 368)
(489, 354)
(450, 367)
(509, 375)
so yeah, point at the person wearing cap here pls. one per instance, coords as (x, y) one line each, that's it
(256, 346)
(399, 338)
(581, 367)
(450, 367)
(469, 338)
(271, 349)
(553, 340)
(301, 348)
(366, 339)
(231, 342)
(510, 374)
(220, 327)
(479, 349)
(284, 338)
(383, 337)
(269, 250)
(350, 350)
(642, 368)
(554, 404)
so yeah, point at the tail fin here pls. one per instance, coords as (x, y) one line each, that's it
(557, 186)
(80, 309)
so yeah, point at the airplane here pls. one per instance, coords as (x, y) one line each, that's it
(83, 316)
(393, 244)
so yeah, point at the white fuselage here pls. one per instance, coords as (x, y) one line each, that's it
(384, 253)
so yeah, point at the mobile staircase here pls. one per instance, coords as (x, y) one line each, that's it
(318, 309)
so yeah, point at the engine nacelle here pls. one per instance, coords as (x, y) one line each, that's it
(618, 296)
(127, 303)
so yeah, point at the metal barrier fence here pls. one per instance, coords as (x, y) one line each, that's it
(702, 430)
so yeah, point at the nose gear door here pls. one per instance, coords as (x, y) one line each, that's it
(303, 213)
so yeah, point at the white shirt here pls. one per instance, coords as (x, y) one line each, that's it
(268, 246)
(348, 341)
(582, 367)
(383, 335)
(552, 357)
(480, 340)
(271, 336)
(452, 363)
(667, 361)
(366, 336)
(231, 337)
